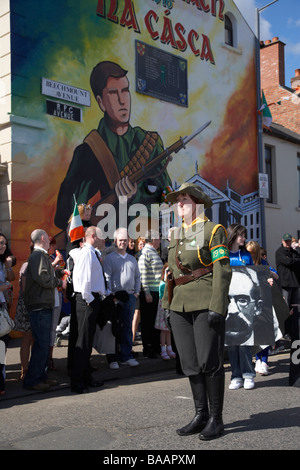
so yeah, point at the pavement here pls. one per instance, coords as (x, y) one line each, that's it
(102, 372)
(14, 387)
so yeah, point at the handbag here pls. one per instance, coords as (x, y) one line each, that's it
(6, 323)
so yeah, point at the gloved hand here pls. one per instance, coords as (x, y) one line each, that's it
(214, 318)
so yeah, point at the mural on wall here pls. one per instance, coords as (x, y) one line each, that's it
(106, 86)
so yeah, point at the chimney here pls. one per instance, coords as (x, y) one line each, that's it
(295, 81)
(272, 63)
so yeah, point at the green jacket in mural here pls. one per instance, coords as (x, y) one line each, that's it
(86, 176)
(210, 291)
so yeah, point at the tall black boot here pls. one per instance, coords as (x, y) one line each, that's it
(215, 392)
(200, 400)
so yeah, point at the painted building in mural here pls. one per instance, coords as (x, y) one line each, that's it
(97, 96)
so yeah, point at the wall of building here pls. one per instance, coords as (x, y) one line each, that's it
(284, 215)
(5, 125)
(61, 41)
(277, 87)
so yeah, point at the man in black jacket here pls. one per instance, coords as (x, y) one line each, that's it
(39, 300)
(288, 267)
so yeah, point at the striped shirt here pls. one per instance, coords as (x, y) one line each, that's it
(150, 266)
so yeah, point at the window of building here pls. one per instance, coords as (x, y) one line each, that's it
(269, 168)
(228, 31)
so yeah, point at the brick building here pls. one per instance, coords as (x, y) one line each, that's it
(273, 83)
(281, 146)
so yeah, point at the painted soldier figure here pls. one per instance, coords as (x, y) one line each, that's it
(103, 164)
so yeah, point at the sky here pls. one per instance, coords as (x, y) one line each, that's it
(282, 20)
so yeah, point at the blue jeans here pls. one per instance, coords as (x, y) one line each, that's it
(40, 322)
(263, 355)
(126, 334)
(240, 358)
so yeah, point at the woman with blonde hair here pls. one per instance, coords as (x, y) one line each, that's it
(261, 364)
(254, 249)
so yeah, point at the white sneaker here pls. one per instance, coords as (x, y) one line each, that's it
(264, 369)
(131, 362)
(249, 383)
(235, 384)
(66, 331)
(258, 364)
(114, 365)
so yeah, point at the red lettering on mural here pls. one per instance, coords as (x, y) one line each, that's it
(112, 10)
(100, 8)
(128, 17)
(167, 35)
(213, 7)
(206, 52)
(180, 31)
(173, 35)
(193, 34)
(206, 7)
(221, 10)
(151, 14)
(194, 2)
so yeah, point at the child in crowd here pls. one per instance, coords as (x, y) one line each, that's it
(240, 356)
(160, 323)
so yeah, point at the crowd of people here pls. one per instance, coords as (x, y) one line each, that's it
(114, 292)
(132, 287)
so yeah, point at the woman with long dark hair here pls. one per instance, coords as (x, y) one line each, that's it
(6, 276)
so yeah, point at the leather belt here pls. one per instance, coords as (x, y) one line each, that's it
(192, 276)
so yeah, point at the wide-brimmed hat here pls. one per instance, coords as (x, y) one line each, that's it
(193, 190)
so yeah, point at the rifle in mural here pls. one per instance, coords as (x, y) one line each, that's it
(146, 170)
(167, 155)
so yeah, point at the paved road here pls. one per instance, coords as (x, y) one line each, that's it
(143, 412)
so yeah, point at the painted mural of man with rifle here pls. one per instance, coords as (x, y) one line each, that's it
(116, 159)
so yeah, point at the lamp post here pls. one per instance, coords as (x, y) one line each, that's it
(259, 121)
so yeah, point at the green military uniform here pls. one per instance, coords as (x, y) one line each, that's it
(199, 262)
(210, 291)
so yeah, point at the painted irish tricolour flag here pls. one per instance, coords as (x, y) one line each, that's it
(76, 228)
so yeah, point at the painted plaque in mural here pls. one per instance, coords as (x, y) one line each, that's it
(63, 111)
(160, 74)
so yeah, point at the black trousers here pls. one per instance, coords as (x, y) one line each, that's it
(200, 347)
(73, 335)
(291, 295)
(150, 335)
(87, 321)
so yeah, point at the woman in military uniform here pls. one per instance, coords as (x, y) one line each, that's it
(197, 298)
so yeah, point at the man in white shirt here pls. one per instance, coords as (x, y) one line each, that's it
(122, 274)
(89, 287)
